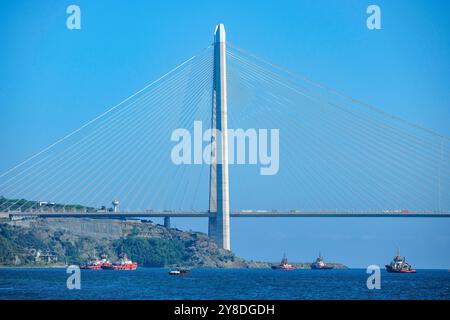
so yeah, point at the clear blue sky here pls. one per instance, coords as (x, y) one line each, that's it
(52, 80)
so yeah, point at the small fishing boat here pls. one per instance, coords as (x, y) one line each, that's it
(179, 272)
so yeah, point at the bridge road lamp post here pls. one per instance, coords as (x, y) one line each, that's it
(219, 209)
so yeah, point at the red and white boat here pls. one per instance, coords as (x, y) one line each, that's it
(122, 264)
(95, 264)
(284, 265)
(399, 265)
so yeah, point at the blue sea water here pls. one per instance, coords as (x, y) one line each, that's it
(150, 283)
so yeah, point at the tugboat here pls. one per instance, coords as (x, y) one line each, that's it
(179, 272)
(319, 264)
(284, 265)
(399, 265)
(95, 264)
(122, 264)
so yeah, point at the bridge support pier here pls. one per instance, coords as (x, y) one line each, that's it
(167, 222)
(212, 225)
(219, 209)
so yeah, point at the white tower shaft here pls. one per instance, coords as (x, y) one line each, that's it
(219, 209)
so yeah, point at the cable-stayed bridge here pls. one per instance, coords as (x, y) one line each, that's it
(335, 157)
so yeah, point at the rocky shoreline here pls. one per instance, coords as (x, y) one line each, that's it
(61, 241)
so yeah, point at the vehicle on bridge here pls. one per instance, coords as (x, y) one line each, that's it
(46, 203)
(102, 209)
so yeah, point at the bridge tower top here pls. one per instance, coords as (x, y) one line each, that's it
(219, 34)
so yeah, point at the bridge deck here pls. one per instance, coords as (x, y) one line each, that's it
(237, 214)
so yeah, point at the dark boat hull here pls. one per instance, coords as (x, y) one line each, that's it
(179, 273)
(321, 268)
(390, 270)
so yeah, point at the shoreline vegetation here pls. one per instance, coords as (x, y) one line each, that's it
(24, 205)
(261, 265)
(58, 242)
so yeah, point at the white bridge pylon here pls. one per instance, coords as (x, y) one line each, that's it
(219, 206)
